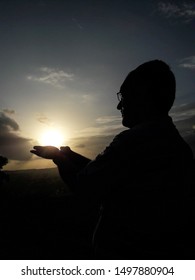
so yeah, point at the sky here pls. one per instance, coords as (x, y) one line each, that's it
(62, 63)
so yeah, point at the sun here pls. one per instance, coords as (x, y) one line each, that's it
(52, 137)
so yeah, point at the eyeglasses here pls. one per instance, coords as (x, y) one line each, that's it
(119, 96)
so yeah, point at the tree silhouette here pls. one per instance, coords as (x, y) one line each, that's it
(3, 161)
(3, 176)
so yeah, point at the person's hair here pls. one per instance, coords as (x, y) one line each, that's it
(157, 83)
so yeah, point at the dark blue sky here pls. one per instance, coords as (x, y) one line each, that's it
(63, 61)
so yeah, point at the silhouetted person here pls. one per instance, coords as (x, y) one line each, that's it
(140, 180)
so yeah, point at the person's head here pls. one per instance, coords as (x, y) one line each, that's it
(147, 92)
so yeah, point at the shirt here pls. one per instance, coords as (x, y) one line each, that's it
(141, 182)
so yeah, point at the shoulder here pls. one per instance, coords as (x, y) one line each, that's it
(126, 135)
(118, 145)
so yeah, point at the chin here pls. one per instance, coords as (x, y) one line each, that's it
(128, 122)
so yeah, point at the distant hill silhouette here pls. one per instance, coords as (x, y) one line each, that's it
(35, 183)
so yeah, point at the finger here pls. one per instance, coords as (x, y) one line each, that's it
(50, 147)
(34, 152)
(65, 149)
(38, 148)
(41, 153)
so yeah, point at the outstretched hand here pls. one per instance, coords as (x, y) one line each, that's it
(47, 152)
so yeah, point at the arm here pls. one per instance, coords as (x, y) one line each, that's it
(69, 163)
(79, 160)
(85, 175)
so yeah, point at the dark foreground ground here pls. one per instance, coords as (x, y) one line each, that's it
(40, 219)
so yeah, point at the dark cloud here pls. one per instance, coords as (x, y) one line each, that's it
(184, 108)
(184, 118)
(185, 11)
(7, 123)
(186, 126)
(188, 62)
(12, 145)
(9, 112)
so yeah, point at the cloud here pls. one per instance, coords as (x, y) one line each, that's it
(8, 111)
(185, 11)
(51, 76)
(105, 125)
(108, 119)
(7, 123)
(183, 112)
(188, 62)
(87, 98)
(44, 119)
(12, 145)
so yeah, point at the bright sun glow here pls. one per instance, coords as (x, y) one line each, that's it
(52, 137)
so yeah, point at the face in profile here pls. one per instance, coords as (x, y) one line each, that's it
(131, 104)
(131, 111)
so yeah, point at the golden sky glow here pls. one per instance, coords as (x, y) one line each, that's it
(62, 64)
(52, 137)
